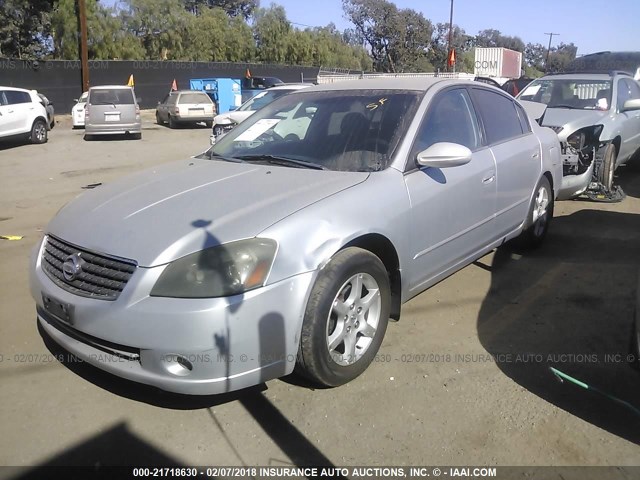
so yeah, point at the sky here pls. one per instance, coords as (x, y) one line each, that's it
(593, 25)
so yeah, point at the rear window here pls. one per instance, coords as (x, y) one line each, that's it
(14, 97)
(111, 96)
(194, 98)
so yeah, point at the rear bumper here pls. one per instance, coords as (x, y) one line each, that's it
(108, 129)
(193, 119)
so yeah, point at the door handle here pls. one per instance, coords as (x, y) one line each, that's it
(489, 179)
(535, 154)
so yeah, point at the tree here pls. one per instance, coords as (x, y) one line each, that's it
(160, 25)
(25, 28)
(271, 31)
(460, 41)
(396, 39)
(105, 37)
(233, 8)
(493, 38)
(560, 57)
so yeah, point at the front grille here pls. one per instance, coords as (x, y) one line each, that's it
(101, 276)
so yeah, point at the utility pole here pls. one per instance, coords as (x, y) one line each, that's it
(546, 61)
(84, 53)
(450, 37)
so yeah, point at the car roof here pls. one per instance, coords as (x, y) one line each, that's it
(110, 86)
(393, 83)
(16, 89)
(176, 92)
(577, 76)
(295, 86)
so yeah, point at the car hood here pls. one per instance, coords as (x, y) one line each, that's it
(156, 216)
(232, 117)
(571, 120)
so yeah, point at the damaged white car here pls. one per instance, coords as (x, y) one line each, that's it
(597, 119)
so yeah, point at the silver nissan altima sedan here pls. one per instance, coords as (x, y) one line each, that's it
(291, 243)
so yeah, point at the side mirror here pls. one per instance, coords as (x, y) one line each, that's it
(444, 155)
(629, 105)
(158, 103)
(138, 100)
(231, 109)
(75, 100)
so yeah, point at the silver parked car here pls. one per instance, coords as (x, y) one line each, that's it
(224, 122)
(112, 110)
(597, 119)
(288, 247)
(182, 107)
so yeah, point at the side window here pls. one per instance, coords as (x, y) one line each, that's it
(13, 97)
(624, 93)
(3, 100)
(499, 116)
(449, 118)
(634, 88)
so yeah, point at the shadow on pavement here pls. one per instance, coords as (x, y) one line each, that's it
(569, 306)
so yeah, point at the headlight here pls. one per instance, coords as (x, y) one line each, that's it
(219, 271)
(587, 136)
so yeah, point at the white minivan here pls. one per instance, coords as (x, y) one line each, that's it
(22, 113)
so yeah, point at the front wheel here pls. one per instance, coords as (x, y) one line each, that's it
(539, 216)
(172, 122)
(209, 123)
(345, 319)
(38, 132)
(608, 166)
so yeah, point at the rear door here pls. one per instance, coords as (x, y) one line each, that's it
(517, 154)
(195, 104)
(452, 209)
(108, 106)
(19, 111)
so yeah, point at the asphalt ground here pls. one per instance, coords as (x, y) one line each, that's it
(464, 378)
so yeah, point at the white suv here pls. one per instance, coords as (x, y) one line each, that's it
(22, 113)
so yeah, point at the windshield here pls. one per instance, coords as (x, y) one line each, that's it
(353, 130)
(570, 93)
(262, 99)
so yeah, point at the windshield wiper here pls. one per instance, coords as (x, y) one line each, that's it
(275, 160)
(562, 105)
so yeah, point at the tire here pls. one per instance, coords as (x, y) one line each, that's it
(209, 123)
(136, 136)
(605, 175)
(340, 334)
(158, 119)
(539, 216)
(39, 132)
(172, 122)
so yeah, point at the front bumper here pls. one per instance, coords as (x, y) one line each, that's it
(574, 185)
(78, 119)
(189, 346)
